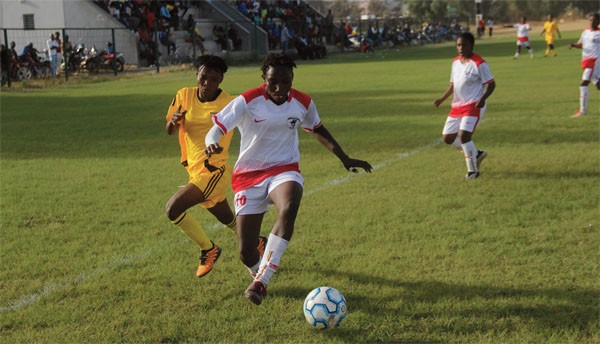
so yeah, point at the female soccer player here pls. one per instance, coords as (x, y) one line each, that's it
(589, 43)
(472, 83)
(191, 111)
(267, 170)
(550, 30)
(523, 29)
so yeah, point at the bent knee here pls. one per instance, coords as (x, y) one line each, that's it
(171, 212)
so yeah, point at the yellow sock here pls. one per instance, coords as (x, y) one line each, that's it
(233, 225)
(192, 229)
(547, 51)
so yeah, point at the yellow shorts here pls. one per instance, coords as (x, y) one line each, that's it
(550, 40)
(212, 184)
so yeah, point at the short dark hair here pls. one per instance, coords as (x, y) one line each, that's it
(467, 36)
(212, 62)
(277, 59)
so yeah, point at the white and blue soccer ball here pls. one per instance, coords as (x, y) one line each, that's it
(324, 308)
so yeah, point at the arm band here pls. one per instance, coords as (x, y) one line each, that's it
(213, 135)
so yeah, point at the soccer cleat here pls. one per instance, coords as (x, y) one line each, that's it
(208, 258)
(480, 156)
(472, 175)
(262, 244)
(255, 292)
(578, 114)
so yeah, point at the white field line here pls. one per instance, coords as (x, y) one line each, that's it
(32, 298)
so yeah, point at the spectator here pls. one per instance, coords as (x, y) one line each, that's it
(490, 24)
(52, 46)
(233, 36)
(189, 24)
(59, 49)
(68, 49)
(13, 51)
(165, 39)
(219, 36)
(4, 62)
(328, 28)
(285, 38)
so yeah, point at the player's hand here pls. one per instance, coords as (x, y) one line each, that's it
(480, 104)
(215, 148)
(351, 165)
(438, 102)
(178, 115)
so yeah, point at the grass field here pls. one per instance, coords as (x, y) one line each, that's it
(421, 255)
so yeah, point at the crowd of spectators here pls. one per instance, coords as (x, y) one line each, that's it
(290, 23)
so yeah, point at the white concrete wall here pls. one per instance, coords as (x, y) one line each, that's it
(54, 15)
(46, 13)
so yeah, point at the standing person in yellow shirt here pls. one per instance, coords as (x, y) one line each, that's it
(191, 112)
(550, 29)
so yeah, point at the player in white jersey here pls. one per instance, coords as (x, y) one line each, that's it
(267, 170)
(523, 29)
(589, 42)
(471, 82)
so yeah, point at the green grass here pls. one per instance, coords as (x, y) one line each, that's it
(420, 255)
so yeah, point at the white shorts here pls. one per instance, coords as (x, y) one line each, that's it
(466, 123)
(592, 74)
(526, 43)
(256, 200)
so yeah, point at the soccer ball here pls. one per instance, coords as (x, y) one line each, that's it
(324, 308)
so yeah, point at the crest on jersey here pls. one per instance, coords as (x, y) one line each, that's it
(291, 122)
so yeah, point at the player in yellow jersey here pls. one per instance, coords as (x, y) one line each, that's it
(191, 112)
(550, 29)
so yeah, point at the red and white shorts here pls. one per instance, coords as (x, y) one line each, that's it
(256, 200)
(591, 70)
(465, 123)
(523, 41)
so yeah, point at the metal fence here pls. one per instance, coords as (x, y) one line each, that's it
(122, 40)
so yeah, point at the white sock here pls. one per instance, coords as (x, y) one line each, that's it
(583, 98)
(254, 269)
(270, 260)
(470, 156)
(531, 52)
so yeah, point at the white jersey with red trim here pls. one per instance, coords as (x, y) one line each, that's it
(269, 135)
(590, 44)
(522, 30)
(469, 80)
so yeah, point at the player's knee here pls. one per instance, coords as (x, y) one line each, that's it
(449, 139)
(171, 211)
(465, 137)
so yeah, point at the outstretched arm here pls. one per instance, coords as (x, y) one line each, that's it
(327, 140)
(449, 91)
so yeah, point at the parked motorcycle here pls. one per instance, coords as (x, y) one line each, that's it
(108, 59)
(74, 59)
(90, 61)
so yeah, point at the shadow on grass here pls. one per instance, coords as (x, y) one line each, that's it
(570, 309)
(122, 126)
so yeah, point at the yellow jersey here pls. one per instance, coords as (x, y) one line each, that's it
(198, 121)
(550, 28)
